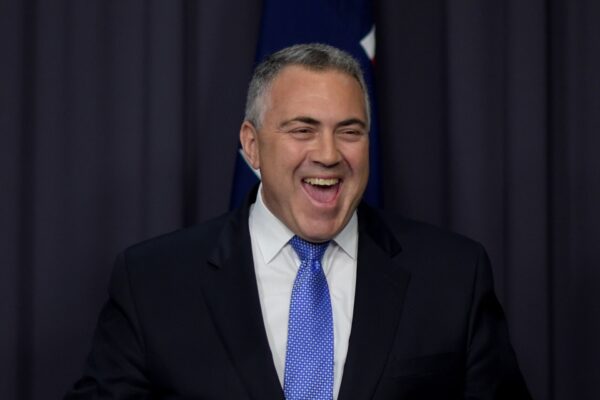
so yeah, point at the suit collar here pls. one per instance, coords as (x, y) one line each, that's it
(234, 232)
(231, 293)
(381, 284)
(372, 225)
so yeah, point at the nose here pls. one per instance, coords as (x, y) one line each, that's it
(327, 153)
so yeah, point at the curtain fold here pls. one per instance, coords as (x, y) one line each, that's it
(490, 120)
(119, 122)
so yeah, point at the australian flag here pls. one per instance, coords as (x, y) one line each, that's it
(346, 24)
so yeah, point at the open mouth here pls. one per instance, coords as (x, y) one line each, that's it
(322, 190)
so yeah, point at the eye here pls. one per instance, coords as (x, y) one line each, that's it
(351, 134)
(302, 132)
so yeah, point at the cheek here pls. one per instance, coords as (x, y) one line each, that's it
(287, 158)
(280, 163)
(358, 159)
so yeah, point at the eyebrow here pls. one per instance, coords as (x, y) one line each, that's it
(352, 121)
(303, 119)
(315, 122)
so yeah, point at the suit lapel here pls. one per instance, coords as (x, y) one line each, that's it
(380, 288)
(230, 291)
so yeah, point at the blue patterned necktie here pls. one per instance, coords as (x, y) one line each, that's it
(309, 356)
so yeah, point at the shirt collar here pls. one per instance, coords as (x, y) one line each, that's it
(273, 235)
(347, 239)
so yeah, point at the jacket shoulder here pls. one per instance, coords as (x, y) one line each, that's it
(180, 246)
(413, 235)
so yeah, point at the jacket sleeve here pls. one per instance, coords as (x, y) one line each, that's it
(115, 366)
(491, 366)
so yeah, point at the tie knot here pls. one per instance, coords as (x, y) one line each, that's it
(308, 251)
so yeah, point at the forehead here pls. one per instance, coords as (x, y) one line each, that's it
(297, 88)
(298, 73)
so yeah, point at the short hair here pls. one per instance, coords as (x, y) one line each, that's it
(313, 56)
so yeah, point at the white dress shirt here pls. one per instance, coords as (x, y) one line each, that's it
(276, 265)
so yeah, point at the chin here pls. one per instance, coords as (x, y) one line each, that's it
(319, 233)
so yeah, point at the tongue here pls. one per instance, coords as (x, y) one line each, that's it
(322, 194)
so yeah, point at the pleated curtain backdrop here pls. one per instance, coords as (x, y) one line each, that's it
(491, 127)
(119, 121)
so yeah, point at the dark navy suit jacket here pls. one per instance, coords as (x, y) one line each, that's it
(183, 319)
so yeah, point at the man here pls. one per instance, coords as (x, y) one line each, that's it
(303, 293)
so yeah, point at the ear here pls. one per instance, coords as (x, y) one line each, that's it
(249, 141)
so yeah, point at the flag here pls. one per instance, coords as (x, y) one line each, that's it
(347, 25)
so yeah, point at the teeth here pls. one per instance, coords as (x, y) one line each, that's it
(322, 181)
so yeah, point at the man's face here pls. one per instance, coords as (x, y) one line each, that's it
(312, 150)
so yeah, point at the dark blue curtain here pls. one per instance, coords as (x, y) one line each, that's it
(490, 115)
(119, 121)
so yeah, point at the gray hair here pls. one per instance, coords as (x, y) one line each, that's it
(313, 56)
